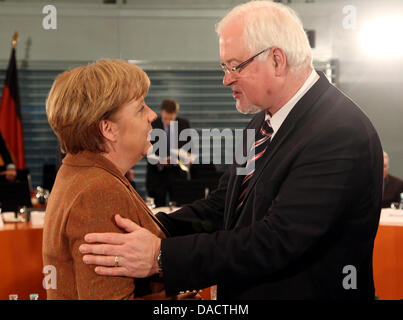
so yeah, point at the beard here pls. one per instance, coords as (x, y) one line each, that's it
(247, 107)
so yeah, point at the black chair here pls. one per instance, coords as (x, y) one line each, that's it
(14, 195)
(202, 171)
(184, 191)
(49, 176)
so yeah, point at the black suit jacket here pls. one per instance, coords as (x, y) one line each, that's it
(392, 189)
(311, 212)
(153, 179)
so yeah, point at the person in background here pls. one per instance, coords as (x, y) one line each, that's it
(301, 223)
(160, 177)
(8, 172)
(102, 122)
(392, 186)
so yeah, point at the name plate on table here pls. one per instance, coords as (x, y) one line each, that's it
(37, 218)
(10, 216)
(165, 209)
(391, 217)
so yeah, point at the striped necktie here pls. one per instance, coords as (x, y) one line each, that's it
(258, 148)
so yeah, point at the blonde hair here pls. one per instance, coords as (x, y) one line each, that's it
(269, 24)
(80, 98)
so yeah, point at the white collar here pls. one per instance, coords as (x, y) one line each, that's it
(278, 118)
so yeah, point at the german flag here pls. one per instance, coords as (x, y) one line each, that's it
(10, 115)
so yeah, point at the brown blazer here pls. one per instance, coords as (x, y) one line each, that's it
(89, 190)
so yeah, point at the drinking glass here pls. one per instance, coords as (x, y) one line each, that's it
(150, 203)
(172, 205)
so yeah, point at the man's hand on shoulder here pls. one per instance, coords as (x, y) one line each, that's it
(133, 254)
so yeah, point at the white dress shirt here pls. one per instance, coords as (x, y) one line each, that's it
(278, 118)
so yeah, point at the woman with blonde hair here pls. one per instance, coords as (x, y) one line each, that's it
(102, 122)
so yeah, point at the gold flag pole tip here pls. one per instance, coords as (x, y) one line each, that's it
(15, 39)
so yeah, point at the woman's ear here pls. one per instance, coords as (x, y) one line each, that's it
(108, 130)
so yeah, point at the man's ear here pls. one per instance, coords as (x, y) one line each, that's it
(108, 130)
(280, 61)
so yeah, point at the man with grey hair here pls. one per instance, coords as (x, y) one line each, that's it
(392, 186)
(302, 224)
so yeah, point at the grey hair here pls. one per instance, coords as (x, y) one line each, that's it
(387, 158)
(269, 24)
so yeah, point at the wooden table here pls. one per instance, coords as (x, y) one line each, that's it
(388, 257)
(21, 261)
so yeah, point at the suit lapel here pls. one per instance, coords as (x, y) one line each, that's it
(297, 114)
(236, 180)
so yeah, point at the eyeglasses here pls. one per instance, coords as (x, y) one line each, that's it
(242, 64)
